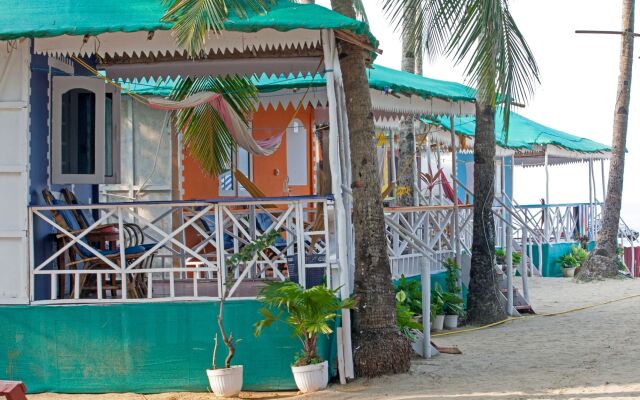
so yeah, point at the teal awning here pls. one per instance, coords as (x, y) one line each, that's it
(47, 18)
(524, 134)
(380, 78)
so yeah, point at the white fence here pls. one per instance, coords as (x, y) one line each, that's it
(562, 222)
(188, 261)
(425, 234)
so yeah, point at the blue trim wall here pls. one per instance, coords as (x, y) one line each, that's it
(39, 164)
(461, 165)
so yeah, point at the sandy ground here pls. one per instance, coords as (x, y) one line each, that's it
(588, 354)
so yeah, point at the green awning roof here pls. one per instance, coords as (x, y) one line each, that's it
(524, 133)
(47, 18)
(380, 78)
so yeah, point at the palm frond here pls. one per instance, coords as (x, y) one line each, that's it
(499, 61)
(361, 12)
(193, 20)
(204, 132)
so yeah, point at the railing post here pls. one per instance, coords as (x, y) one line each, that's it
(523, 264)
(32, 263)
(426, 311)
(121, 245)
(509, 259)
(222, 269)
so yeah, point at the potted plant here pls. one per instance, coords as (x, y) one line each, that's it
(453, 304)
(437, 308)
(501, 260)
(572, 260)
(308, 312)
(227, 381)
(408, 307)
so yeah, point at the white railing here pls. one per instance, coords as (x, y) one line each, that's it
(177, 250)
(562, 222)
(425, 234)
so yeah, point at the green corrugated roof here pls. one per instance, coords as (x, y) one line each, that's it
(524, 133)
(380, 78)
(46, 18)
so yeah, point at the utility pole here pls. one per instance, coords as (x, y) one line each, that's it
(602, 262)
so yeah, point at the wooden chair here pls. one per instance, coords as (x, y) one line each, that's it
(80, 256)
(13, 390)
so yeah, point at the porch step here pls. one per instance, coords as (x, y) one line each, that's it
(525, 309)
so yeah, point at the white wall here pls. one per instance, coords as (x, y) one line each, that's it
(14, 151)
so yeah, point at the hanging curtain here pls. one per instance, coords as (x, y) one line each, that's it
(239, 130)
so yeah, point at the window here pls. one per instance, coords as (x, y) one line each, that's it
(85, 131)
(297, 154)
(228, 183)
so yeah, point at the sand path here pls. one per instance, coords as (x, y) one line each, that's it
(589, 354)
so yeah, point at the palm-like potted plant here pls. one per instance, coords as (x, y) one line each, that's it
(227, 381)
(309, 313)
(437, 308)
(453, 304)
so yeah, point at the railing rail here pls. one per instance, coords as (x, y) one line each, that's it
(182, 252)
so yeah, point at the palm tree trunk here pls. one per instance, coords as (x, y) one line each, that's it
(406, 141)
(602, 262)
(484, 304)
(379, 348)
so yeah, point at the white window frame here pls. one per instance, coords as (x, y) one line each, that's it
(60, 86)
(236, 190)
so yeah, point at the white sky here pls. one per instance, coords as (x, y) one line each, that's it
(576, 95)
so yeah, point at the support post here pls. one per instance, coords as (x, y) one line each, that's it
(416, 189)
(426, 311)
(456, 211)
(509, 259)
(439, 166)
(591, 219)
(329, 48)
(545, 210)
(523, 263)
(394, 177)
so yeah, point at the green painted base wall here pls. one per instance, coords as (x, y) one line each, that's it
(551, 253)
(143, 348)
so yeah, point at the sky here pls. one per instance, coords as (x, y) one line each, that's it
(576, 94)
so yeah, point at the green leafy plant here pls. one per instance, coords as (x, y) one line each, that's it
(574, 259)
(453, 303)
(501, 259)
(407, 321)
(307, 311)
(245, 254)
(409, 293)
(437, 301)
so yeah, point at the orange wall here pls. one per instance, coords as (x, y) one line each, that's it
(268, 173)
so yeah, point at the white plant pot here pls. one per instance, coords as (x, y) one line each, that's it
(568, 272)
(438, 323)
(225, 382)
(450, 321)
(311, 378)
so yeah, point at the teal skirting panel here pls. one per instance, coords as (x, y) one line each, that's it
(551, 253)
(143, 348)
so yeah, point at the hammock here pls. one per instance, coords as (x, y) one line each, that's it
(239, 130)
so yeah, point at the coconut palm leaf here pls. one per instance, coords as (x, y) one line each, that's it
(480, 33)
(204, 132)
(194, 20)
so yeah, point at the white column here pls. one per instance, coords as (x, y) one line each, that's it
(392, 135)
(591, 218)
(414, 162)
(456, 230)
(330, 56)
(545, 210)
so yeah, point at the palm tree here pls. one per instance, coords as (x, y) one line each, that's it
(406, 139)
(484, 35)
(379, 347)
(603, 260)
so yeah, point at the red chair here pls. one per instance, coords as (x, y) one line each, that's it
(13, 390)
